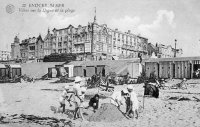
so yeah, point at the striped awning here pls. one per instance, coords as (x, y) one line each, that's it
(197, 62)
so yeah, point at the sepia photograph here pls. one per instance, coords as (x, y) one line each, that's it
(99, 63)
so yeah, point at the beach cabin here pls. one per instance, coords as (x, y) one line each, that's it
(52, 72)
(179, 67)
(3, 72)
(69, 70)
(14, 70)
(90, 68)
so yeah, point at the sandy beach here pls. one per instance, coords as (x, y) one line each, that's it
(174, 107)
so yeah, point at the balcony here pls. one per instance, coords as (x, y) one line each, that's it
(81, 42)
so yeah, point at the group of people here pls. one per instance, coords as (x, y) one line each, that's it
(76, 94)
(131, 101)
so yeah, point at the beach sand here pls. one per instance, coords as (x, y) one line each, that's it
(174, 107)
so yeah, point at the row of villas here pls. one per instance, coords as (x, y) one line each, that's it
(90, 42)
(163, 51)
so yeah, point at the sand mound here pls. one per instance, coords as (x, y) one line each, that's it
(108, 113)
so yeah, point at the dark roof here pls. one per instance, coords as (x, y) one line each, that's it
(63, 28)
(39, 38)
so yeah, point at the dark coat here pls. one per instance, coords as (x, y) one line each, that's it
(93, 100)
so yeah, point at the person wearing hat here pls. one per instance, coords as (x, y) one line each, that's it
(77, 95)
(80, 105)
(132, 108)
(116, 97)
(65, 95)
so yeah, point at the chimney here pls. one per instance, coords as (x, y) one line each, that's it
(129, 31)
(116, 29)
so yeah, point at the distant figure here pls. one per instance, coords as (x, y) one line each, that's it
(94, 102)
(132, 102)
(126, 78)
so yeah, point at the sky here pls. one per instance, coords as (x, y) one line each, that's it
(161, 21)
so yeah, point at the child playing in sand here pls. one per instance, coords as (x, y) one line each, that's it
(116, 97)
(94, 102)
(132, 102)
(65, 95)
(81, 104)
(78, 96)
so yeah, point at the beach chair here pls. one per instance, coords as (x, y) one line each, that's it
(104, 86)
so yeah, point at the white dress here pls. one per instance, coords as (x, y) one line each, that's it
(134, 100)
(116, 96)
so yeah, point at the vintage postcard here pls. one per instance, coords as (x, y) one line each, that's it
(94, 63)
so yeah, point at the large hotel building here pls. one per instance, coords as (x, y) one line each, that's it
(97, 42)
(90, 42)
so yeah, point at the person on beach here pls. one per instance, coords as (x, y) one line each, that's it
(94, 102)
(82, 104)
(65, 95)
(116, 97)
(78, 97)
(132, 102)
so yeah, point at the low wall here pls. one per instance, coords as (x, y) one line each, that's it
(37, 70)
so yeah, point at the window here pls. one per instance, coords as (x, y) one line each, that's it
(60, 32)
(66, 37)
(108, 40)
(81, 48)
(118, 35)
(65, 43)
(41, 46)
(145, 48)
(32, 47)
(59, 44)
(59, 50)
(103, 38)
(65, 50)
(114, 43)
(109, 50)
(99, 37)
